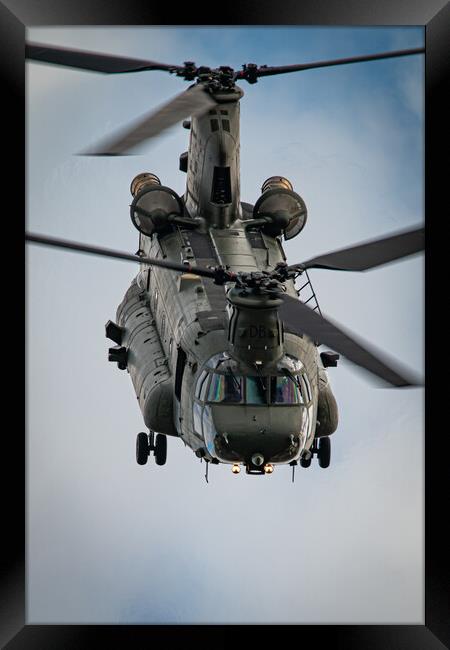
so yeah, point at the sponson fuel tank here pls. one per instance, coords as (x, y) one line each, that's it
(146, 361)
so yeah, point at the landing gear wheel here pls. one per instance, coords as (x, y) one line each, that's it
(324, 452)
(161, 449)
(305, 462)
(142, 448)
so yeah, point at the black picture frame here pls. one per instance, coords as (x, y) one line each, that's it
(15, 16)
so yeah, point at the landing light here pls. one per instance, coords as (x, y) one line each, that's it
(235, 469)
(268, 468)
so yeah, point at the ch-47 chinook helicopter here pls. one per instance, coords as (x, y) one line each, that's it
(221, 347)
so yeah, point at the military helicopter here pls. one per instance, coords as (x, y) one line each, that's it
(222, 350)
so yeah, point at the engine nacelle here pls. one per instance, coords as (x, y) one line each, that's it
(154, 207)
(286, 209)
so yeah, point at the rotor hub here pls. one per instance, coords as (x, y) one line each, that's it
(259, 283)
(222, 78)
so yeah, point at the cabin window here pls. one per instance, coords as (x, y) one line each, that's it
(226, 125)
(214, 125)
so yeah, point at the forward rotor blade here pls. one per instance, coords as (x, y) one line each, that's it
(92, 61)
(370, 254)
(265, 71)
(107, 252)
(302, 319)
(193, 101)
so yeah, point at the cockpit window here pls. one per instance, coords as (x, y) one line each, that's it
(255, 390)
(284, 390)
(221, 381)
(225, 388)
(204, 386)
(200, 382)
(308, 387)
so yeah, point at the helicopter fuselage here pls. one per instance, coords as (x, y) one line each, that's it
(176, 333)
(235, 390)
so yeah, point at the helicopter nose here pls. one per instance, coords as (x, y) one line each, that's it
(252, 436)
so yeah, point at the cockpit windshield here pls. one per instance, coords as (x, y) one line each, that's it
(225, 388)
(231, 388)
(285, 390)
(224, 381)
(256, 390)
(236, 389)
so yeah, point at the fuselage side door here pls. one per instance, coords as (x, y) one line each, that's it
(179, 372)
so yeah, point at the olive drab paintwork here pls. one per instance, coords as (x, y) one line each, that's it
(213, 157)
(174, 325)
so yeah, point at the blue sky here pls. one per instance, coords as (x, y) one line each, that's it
(112, 542)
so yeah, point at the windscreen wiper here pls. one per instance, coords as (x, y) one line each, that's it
(292, 377)
(235, 379)
(260, 377)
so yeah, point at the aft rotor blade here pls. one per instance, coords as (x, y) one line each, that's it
(107, 252)
(304, 320)
(370, 254)
(193, 101)
(265, 71)
(92, 61)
